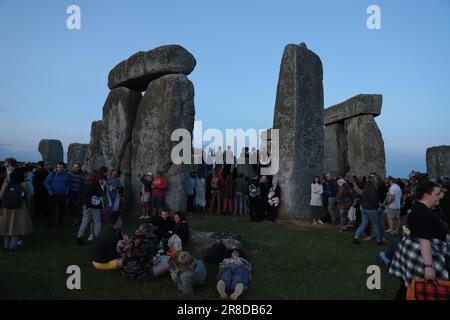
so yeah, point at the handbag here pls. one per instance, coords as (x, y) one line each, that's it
(422, 289)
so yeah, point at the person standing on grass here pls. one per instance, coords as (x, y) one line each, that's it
(146, 194)
(331, 189)
(344, 199)
(200, 192)
(393, 206)
(75, 194)
(159, 187)
(92, 194)
(105, 251)
(228, 195)
(316, 200)
(239, 191)
(58, 186)
(274, 197)
(15, 217)
(40, 192)
(369, 209)
(191, 192)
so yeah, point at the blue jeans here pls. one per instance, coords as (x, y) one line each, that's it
(232, 275)
(10, 242)
(374, 218)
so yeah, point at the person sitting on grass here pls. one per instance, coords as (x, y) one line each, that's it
(181, 227)
(138, 255)
(105, 253)
(234, 275)
(187, 272)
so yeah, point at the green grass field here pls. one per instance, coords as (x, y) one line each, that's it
(292, 261)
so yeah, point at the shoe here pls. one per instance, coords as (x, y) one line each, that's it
(320, 221)
(238, 290)
(91, 237)
(221, 289)
(142, 217)
(19, 243)
(368, 238)
(387, 230)
(356, 241)
(315, 221)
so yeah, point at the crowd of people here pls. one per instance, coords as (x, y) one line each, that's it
(410, 216)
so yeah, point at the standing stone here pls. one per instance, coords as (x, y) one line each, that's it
(51, 151)
(119, 112)
(138, 70)
(365, 146)
(168, 104)
(299, 118)
(335, 151)
(353, 141)
(76, 152)
(94, 156)
(438, 161)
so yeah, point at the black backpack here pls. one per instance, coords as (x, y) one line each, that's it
(216, 253)
(13, 197)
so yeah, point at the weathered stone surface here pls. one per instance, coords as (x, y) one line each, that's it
(138, 70)
(125, 168)
(51, 151)
(168, 104)
(358, 105)
(299, 118)
(438, 161)
(119, 112)
(202, 241)
(94, 156)
(335, 149)
(365, 146)
(76, 152)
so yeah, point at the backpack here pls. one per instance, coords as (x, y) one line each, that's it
(216, 253)
(13, 196)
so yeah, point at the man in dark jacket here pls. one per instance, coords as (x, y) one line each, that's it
(105, 254)
(40, 192)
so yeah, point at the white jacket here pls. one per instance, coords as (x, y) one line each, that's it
(316, 195)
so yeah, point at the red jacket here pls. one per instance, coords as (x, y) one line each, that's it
(159, 186)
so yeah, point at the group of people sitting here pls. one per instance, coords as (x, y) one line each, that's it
(158, 247)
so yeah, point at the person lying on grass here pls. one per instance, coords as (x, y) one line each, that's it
(187, 272)
(234, 275)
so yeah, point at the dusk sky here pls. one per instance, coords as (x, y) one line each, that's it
(54, 80)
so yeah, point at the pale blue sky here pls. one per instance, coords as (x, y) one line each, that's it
(54, 81)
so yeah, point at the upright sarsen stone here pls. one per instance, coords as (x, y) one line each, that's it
(365, 147)
(438, 161)
(76, 152)
(51, 151)
(168, 104)
(299, 118)
(94, 156)
(119, 113)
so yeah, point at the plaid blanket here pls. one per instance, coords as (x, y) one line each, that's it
(408, 263)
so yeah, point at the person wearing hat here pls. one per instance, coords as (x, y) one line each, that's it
(138, 254)
(146, 194)
(188, 272)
